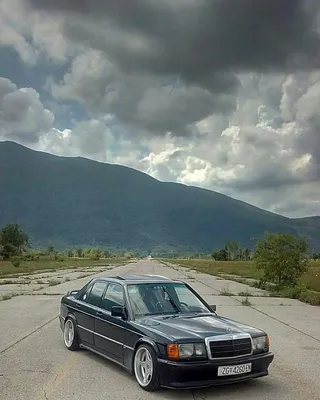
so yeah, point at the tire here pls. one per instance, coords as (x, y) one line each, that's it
(146, 355)
(70, 335)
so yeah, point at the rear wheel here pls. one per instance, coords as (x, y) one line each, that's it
(146, 368)
(70, 336)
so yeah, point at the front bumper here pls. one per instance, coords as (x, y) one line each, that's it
(186, 375)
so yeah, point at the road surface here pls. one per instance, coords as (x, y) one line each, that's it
(35, 365)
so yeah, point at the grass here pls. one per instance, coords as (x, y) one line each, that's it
(311, 297)
(54, 282)
(311, 279)
(84, 276)
(8, 282)
(244, 269)
(307, 291)
(45, 263)
(246, 294)
(8, 296)
(225, 292)
(246, 302)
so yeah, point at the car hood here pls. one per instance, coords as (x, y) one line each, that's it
(194, 326)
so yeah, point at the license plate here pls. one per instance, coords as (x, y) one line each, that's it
(234, 369)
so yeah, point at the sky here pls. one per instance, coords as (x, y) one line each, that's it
(219, 94)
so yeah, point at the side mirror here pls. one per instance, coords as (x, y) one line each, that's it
(118, 311)
(213, 307)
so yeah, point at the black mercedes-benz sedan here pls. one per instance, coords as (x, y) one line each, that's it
(163, 332)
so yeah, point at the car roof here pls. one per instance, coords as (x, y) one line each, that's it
(129, 279)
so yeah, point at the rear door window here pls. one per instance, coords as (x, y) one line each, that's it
(95, 295)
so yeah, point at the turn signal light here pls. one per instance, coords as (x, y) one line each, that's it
(267, 342)
(173, 351)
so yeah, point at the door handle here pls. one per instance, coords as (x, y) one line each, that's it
(78, 305)
(99, 313)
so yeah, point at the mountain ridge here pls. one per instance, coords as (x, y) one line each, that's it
(78, 201)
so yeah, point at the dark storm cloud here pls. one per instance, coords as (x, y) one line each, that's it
(193, 39)
(199, 49)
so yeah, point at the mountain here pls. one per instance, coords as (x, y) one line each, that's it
(73, 201)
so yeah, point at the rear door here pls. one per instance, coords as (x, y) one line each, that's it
(85, 311)
(109, 331)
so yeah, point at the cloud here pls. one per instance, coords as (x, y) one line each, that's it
(22, 115)
(36, 36)
(221, 94)
(261, 161)
(161, 67)
(143, 104)
(261, 157)
(195, 38)
(90, 138)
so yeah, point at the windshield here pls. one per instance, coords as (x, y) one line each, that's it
(163, 298)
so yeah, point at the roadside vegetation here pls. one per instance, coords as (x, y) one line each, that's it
(279, 263)
(17, 256)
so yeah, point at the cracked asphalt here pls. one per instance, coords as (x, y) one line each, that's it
(35, 365)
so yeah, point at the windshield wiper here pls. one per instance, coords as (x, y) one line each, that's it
(171, 316)
(174, 305)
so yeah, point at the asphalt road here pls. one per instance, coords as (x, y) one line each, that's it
(35, 365)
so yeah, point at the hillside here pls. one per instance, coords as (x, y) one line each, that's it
(76, 201)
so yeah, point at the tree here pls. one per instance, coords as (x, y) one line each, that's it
(51, 249)
(79, 252)
(13, 241)
(107, 254)
(95, 253)
(70, 253)
(247, 254)
(232, 248)
(220, 255)
(282, 257)
(316, 256)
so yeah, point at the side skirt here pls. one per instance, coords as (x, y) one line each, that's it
(86, 347)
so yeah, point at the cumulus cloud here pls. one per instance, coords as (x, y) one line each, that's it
(261, 157)
(162, 66)
(22, 115)
(143, 104)
(35, 35)
(91, 138)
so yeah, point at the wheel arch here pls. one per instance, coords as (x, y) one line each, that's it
(141, 341)
(71, 316)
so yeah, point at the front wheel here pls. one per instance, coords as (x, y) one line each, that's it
(146, 368)
(70, 336)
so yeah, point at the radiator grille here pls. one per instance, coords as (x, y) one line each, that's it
(230, 348)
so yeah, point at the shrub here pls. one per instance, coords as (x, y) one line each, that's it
(16, 261)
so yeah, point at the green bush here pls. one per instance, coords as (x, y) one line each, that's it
(283, 258)
(59, 257)
(300, 293)
(312, 298)
(30, 256)
(16, 261)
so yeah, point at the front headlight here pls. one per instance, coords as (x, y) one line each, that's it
(186, 350)
(260, 344)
